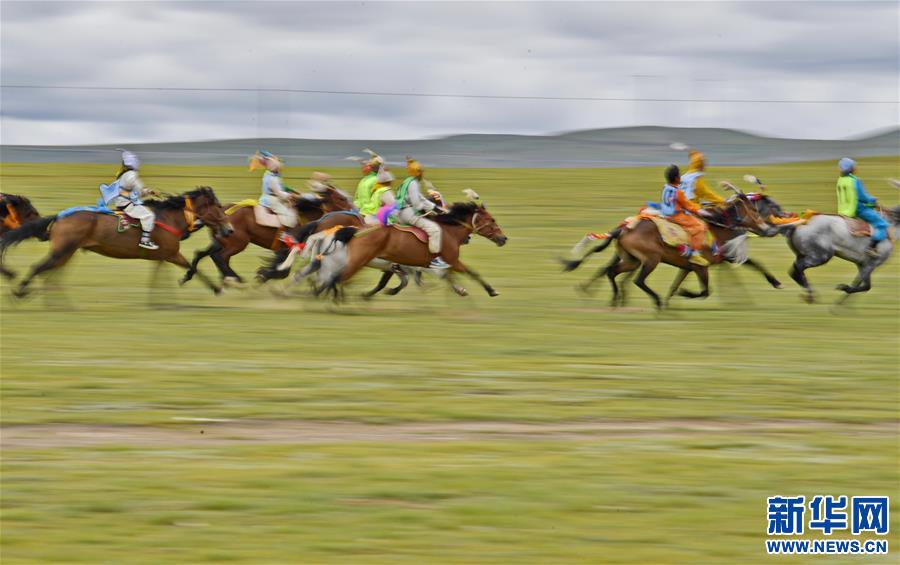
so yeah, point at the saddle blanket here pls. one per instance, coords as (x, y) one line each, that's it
(672, 234)
(91, 208)
(418, 232)
(858, 227)
(242, 204)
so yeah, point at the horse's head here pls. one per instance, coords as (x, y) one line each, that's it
(484, 224)
(745, 213)
(17, 210)
(334, 199)
(206, 206)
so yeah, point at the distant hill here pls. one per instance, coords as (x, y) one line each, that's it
(589, 148)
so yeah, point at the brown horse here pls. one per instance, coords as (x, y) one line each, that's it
(247, 231)
(404, 248)
(642, 247)
(176, 218)
(15, 211)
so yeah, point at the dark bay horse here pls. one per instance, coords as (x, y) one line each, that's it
(176, 217)
(642, 247)
(402, 247)
(15, 211)
(247, 230)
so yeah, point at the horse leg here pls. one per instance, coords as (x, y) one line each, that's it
(762, 270)
(404, 281)
(382, 282)
(601, 272)
(461, 268)
(797, 272)
(55, 260)
(679, 278)
(647, 267)
(417, 277)
(198, 256)
(222, 258)
(178, 259)
(863, 280)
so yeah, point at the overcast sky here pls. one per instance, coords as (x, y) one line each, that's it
(765, 50)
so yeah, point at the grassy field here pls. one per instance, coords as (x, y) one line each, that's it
(690, 418)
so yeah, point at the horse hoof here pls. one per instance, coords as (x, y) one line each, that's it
(217, 290)
(808, 297)
(462, 292)
(492, 293)
(233, 282)
(778, 286)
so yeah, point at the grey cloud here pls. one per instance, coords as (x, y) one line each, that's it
(725, 49)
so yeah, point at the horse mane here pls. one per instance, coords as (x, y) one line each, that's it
(14, 199)
(459, 212)
(308, 204)
(177, 202)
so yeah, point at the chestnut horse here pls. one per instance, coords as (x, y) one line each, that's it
(642, 247)
(176, 218)
(404, 248)
(247, 231)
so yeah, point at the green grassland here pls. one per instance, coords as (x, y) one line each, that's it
(800, 399)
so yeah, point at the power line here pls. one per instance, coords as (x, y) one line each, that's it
(439, 95)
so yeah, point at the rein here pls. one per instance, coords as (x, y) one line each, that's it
(190, 218)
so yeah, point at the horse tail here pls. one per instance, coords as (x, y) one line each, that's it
(571, 265)
(345, 234)
(306, 230)
(38, 228)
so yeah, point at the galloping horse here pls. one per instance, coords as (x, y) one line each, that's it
(247, 230)
(279, 266)
(824, 236)
(15, 211)
(642, 246)
(405, 248)
(176, 218)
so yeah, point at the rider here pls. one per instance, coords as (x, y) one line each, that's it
(274, 196)
(674, 206)
(125, 194)
(855, 202)
(364, 188)
(412, 206)
(380, 196)
(693, 183)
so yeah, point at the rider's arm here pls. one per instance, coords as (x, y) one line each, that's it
(416, 200)
(129, 182)
(387, 198)
(862, 196)
(685, 203)
(276, 187)
(704, 192)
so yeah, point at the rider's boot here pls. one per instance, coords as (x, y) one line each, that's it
(698, 259)
(438, 263)
(872, 249)
(146, 242)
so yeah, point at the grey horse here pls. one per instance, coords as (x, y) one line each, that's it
(825, 236)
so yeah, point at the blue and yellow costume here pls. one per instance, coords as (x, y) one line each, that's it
(855, 202)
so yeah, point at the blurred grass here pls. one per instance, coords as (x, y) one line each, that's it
(539, 352)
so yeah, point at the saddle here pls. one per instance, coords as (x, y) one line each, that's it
(266, 217)
(418, 232)
(858, 227)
